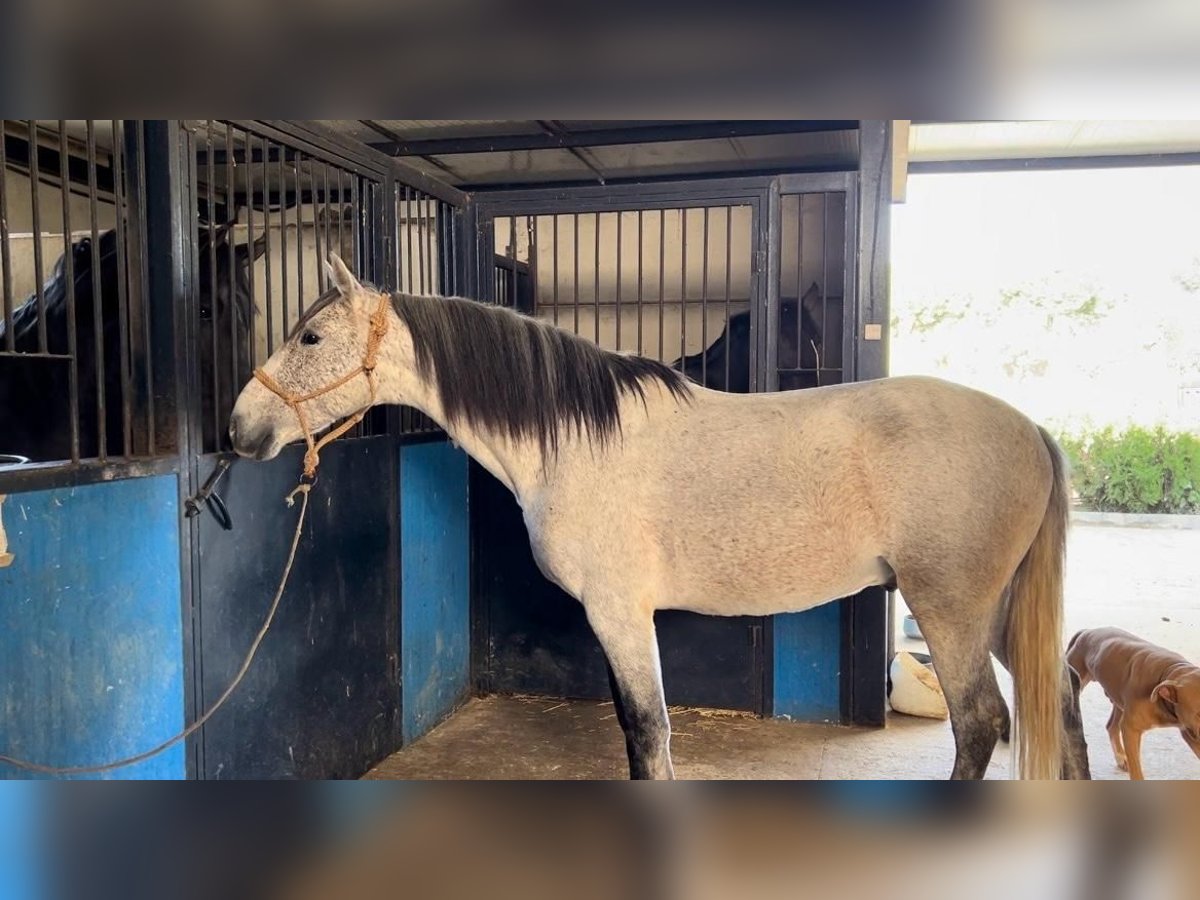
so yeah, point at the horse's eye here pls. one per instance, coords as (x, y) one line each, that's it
(310, 339)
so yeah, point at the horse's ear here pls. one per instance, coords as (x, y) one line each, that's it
(341, 277)
(811, 301)
(248, 253)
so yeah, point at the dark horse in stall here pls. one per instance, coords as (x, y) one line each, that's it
(731, 350)
(34, 392)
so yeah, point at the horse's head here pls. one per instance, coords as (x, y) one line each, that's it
(320, 361)
(229, 294)
(226, 315)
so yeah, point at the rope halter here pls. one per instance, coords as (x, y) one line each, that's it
(312, 457)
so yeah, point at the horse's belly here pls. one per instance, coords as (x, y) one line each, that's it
(768, 589)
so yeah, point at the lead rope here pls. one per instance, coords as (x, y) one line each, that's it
(379, 327)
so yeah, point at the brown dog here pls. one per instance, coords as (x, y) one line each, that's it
(1149, 688)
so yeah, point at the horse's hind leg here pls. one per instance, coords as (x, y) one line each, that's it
(959, 645)
(631, 649)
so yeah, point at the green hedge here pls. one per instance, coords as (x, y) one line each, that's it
(1138, 470)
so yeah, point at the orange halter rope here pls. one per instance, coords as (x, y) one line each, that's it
(379, 328)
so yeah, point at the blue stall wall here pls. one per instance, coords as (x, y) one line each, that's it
(91, 665)
(808, 651)
(435, 624)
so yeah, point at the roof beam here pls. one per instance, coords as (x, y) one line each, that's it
(611, 137)
(1041, 163)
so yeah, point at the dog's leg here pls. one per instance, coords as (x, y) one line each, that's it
(1132, 739)
(1114, 736)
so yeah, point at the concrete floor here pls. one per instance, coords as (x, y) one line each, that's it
(1140, 579)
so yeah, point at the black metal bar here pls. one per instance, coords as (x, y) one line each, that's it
(423, 243)
(356, 220)
(38, 270)
(97, 295)
(728, 280)
(269, 300)
(819, 352)
(575, 303)
(10, 340)
(411, 236)
(69, 271)
(399, 250)
(611, 137)
(875, 216)
(296, 169)
(316, 227)
(315, 204)
(531, 233)
(766, 249)
(799, 280)
(118, 162)
(420, 217)
(430, 242)
(285, 320)
(618, 292)
(341, 223)
(325, 228)
(231, 256)
(683, 293)
(515, 293)
(662, 268)
(456, 250)
(144, 298)
(596, 290)
(214, 375)
(251, 330)
(704, 306)
(639, 283)
(554, 225)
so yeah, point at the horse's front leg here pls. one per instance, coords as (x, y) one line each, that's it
(634, 672)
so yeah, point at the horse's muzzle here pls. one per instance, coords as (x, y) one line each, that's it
(249, 442)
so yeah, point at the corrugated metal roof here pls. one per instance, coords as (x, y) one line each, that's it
(459, 150)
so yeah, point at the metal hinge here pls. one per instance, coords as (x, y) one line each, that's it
(758, 262)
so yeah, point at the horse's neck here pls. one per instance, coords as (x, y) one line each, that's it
(518, 466)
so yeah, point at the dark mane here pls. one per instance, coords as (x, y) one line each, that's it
(510, 374)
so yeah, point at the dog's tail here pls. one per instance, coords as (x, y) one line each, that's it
(1035, 617)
